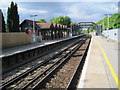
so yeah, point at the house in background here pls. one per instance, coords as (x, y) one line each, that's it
(48, 31)
(27, 26)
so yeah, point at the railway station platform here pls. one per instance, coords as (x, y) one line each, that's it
(101, 66)
(18, 49)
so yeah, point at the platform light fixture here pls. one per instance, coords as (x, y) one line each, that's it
(33, 35)
(108, 16)
(103, 24)
(33, 22)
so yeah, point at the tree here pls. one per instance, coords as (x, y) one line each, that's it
(64, 20)
(12, 18)
(16, 19)
(72, 23)
(3, 22)
(114, 21)
(53, 20)
(42, 20)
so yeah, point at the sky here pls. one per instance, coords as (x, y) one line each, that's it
(77, 10)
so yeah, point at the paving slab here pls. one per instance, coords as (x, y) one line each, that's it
(94, 74)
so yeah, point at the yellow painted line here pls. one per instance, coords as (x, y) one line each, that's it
(117, 81)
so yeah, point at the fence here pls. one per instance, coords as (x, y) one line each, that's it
(113, 34)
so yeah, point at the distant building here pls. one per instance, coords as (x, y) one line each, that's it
(27, 26)
(46, 30)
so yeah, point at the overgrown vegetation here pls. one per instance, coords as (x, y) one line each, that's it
(114, 21)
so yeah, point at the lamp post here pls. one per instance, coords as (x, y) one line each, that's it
(108, 15)
(71, 31)
(103, 24)
(33, 35)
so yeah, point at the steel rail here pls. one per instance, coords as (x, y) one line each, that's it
(27, 85)
(43, 54)
(29, 71)
(41, 83)
(24, 87)
(71, 83)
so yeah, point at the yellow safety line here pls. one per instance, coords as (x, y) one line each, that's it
(117, 81)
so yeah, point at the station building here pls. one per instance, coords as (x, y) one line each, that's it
(48, 31)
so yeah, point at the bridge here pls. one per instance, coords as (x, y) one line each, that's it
(90, 24)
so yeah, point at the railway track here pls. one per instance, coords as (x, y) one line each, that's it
(30, 78)
(34, 64)
(64, 74)
(13, 73)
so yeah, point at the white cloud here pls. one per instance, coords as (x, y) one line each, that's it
(91, 11)
(108, 8)
(74, 11)
(4, 3)
(73, 1)
(24, 10)
(115, 7)
(63, 0)
(78, 12)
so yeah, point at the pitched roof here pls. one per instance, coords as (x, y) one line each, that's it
(44, 25)
(29, 21)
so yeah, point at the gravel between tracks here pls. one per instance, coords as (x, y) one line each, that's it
(63, 76)
(34, 74)
(14, 73)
